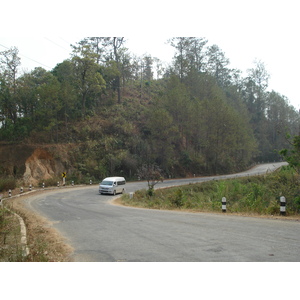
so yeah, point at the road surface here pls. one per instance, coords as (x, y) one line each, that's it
(101, 232)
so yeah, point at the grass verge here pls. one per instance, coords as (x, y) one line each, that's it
(10, 238)
(257, 195)
(45, 243)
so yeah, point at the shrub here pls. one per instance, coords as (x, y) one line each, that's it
(50, 182)
(177, 198)
(150, 192)
(7, 184)
(273, 208)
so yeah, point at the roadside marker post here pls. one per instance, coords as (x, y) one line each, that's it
(43, 185)
(223, 204)
(64, 175)
(9, 193)
(30, 187)
(21, 190)
(91, 181)
(282, 206)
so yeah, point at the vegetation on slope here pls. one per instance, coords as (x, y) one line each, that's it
(193, 116)
(256, 195)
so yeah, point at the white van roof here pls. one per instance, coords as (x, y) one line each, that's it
(114, 179)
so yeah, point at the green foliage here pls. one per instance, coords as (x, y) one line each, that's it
(150, 191)
(196, 117)
(253, 195)
(7, 184)
(152, 173)
(177, 199)
(50, 182)
(293, 156)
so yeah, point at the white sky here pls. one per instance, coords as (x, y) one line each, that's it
(244, 30)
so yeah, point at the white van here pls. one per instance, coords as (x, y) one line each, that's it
(112, 185)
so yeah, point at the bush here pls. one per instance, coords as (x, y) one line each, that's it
(150, 192)
(50, 182)
(177, 198)
(7, 184)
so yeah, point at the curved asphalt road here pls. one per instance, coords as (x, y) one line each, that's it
(102, 232)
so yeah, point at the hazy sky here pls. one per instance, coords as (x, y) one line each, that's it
(244, 30)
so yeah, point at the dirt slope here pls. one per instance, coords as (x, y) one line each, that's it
(33, 163)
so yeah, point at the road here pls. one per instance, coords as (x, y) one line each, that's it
(102, 232)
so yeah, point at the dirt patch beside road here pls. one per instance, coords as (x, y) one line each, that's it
(44, 242)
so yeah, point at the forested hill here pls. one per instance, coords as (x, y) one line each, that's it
(119, 111)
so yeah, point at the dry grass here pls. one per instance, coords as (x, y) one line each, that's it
(251, 196)
(10, 246)
(45, 243)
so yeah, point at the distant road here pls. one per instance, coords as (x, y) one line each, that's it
(100, 231)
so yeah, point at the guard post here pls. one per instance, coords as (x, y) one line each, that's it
(224, 204)
(282, 206)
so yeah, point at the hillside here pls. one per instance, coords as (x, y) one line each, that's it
(105, 112)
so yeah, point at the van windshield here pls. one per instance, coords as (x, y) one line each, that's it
(106, 183)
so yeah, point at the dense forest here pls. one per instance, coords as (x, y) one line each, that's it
(195, 115)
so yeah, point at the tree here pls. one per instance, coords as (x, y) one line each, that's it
(177, 102)
(111, 51)
(259, 75)
(152, 173)
(64, 72)
(9, 63)
(189, 54)
(88, 79)
(181, 45)
(195, 54)
(97, 47)
(39, 100)
(256, 85)
(147, 68)
(162, 136)
(117, 43)
(292, 156)
(216, 65)
(105, 50)
(126, 66)
(255, 97)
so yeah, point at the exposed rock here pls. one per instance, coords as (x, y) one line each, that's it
(33, 163)
(41, 165)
